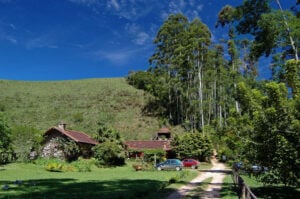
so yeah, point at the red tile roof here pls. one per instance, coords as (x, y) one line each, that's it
(148, 144)
(164, 130)
(74, 135)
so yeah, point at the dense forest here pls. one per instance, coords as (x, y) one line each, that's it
(213, 87)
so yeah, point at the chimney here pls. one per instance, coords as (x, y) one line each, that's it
(62, 125)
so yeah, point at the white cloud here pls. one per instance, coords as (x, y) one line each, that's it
(94, 5)
(42, 41)
(12, 40)
(132, 28)
(119, 57)
(8, 33)
(189, 8)
(13, 26)
(200, 7)
(8, 38)
(142, 38)
(130, 9)
(113, 4)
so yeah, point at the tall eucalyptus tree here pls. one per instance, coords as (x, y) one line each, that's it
(169, 41)
(199, 43)
(234, 62)
(274, 31)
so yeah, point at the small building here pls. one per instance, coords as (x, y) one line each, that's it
(57, 137)
(163, 134)
(161, 140)
(136, 148)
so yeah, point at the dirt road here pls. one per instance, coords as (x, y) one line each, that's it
(217, 173)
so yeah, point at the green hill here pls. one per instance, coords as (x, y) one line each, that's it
(82, 104)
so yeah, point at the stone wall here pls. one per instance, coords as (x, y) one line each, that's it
(52, 149)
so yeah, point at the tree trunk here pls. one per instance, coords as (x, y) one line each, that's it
(200, 92)
(288, 31)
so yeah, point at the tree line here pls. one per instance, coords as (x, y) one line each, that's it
(212, 87)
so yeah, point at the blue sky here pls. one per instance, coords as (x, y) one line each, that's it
(79, 39)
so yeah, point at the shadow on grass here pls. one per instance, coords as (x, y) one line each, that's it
(194, 194)
(278, 192)
(215, 171)
(70, 188)
(229, 191)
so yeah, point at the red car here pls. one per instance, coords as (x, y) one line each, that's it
(190, 163)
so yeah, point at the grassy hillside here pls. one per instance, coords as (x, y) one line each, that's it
(82, 104)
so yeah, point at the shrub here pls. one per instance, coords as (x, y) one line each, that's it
(6, 152)
(109, 154)
(178, 177)
(54, 167)
(149, 155)
(83, 165)
(26, 142)
(137, 167)
(143, 166)
(111, 150)
(194, 145)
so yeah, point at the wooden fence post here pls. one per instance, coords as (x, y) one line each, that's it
(243, 190)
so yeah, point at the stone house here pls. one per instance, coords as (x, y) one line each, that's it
(56, 138)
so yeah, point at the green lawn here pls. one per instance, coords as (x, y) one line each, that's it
(119, 182)
(228, 190)
(271, 191)
(259, 189)
(195, 194)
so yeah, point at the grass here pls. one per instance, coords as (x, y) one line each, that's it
(259, 189)
(204, 166)
(228, 190)
(271, 191)
(195, 193)
(82, 104)
(119, 182)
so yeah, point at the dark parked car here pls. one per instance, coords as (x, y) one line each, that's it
(170, 164)
(259, 169)
(249, 168)
(237, 166)
(192, 163)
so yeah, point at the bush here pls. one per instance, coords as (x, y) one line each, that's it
(143, 166)
(149, 155)
(69, 147)
(109, 154)
(57, 165)
(83, 165)
(178, 177)
(137, 167)
(24, 149)
(54, 167)
(194, 145)
(6, 151)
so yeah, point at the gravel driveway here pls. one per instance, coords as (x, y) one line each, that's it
(217, 173)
